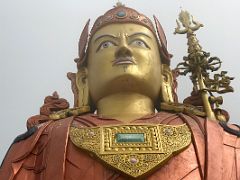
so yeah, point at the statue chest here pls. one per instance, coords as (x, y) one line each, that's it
(133, 151)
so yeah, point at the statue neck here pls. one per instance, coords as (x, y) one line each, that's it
(125, 106)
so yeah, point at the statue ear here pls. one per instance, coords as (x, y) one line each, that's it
(72, 77)
(167, 84)
(80, 88)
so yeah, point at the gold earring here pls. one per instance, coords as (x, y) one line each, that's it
(167, 82)
(82, 86)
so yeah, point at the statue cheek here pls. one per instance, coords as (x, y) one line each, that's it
(152, 61)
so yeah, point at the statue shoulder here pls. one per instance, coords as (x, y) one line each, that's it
(232, 129)
(48, 137)
(51, 105)
(55, 108)
(222, 139)
(20, 149)
(32, 144)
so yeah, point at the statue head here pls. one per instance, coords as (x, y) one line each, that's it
(122, 53)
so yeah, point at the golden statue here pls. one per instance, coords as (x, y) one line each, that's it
(126, 122)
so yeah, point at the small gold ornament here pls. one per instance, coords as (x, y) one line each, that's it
(69, 112)
(119, 4)
(133, 149)
(167, 84)
(182, 108)
(83, 89)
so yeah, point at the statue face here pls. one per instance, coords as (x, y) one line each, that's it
(124, 58)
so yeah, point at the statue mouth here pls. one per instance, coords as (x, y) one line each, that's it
(123, 60)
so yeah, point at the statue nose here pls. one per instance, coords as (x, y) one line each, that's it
(123, 51)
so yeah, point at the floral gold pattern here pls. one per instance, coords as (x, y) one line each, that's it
(133, 158)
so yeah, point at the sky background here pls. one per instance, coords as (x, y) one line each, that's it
(38, 42)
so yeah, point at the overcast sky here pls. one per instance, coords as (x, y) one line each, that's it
(38, 42)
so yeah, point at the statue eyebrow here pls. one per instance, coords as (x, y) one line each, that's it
(105, 35)
(138, 34)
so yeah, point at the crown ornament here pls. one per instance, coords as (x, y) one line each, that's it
(122, 14)
(118, 4)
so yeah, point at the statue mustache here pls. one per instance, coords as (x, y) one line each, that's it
(124, 60)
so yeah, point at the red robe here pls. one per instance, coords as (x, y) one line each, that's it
(49, 154)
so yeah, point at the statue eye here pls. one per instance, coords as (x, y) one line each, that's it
(106, 44)
(139, 43)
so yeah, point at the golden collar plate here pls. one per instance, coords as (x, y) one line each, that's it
(134, 149)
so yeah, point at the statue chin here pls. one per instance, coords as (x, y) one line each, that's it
(126, 83)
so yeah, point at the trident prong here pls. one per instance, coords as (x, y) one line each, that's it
(188, 23)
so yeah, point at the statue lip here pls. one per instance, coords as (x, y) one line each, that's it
(123, 60)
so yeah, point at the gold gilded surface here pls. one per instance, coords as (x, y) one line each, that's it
(69, 112)
(82, 85)
(124, 57)
(183, 108)
(133, 158)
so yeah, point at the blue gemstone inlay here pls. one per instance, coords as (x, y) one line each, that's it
(130, 137)
(121, 14)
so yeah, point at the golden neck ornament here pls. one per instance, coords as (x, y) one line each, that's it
(133, 149)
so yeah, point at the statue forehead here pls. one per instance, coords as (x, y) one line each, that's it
(119, 29)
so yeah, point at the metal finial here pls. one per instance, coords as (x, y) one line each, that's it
(188, 23)
(200, 65)
(119, 4)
